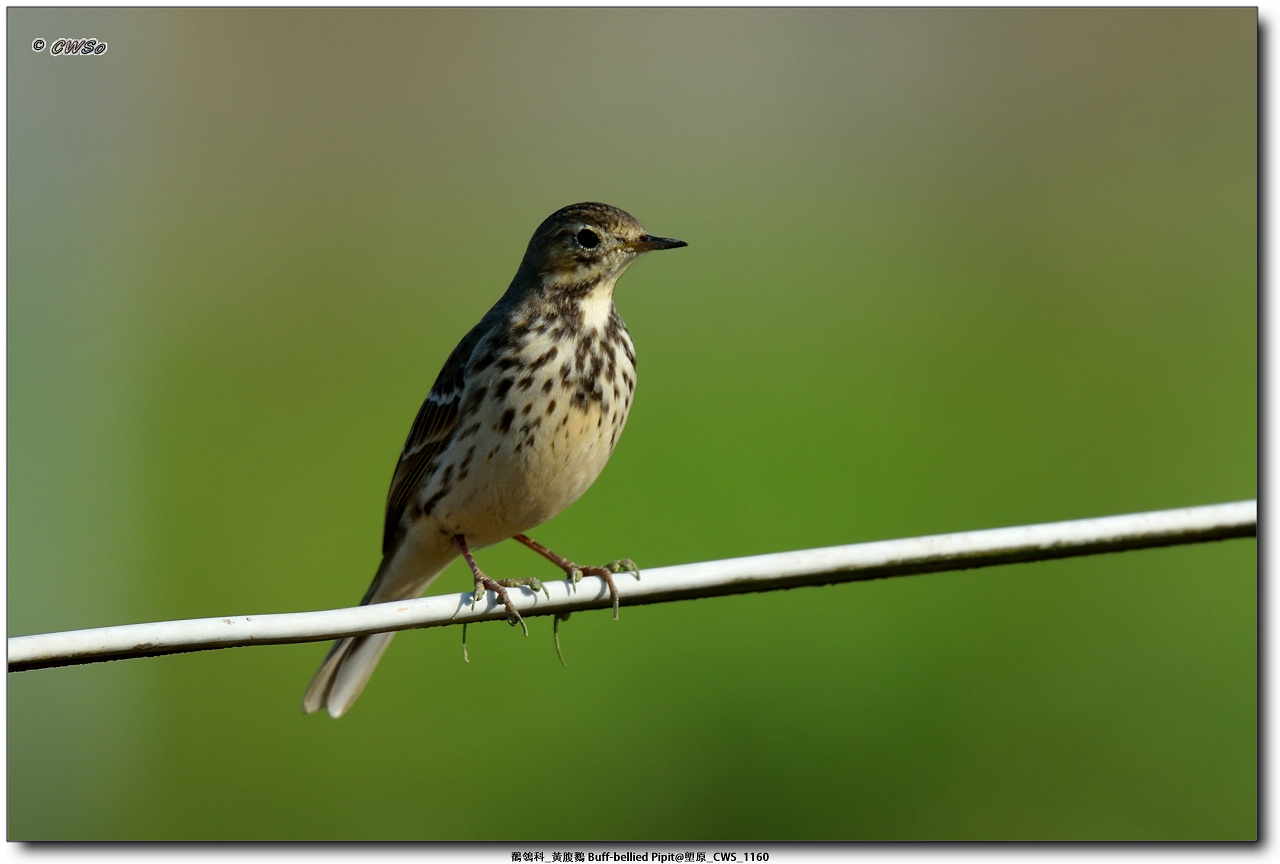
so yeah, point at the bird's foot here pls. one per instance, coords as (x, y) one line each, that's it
(606, 571)
(499, 587)
(575, 572)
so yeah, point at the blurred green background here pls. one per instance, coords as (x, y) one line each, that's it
(947, 270)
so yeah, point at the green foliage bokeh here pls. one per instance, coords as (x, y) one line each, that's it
(947, 270)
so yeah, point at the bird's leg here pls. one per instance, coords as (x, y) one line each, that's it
(499, 587)
(575, 573)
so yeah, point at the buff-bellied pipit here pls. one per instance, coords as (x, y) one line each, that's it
(519, 422)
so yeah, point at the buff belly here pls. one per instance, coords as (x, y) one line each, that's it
(554, 454)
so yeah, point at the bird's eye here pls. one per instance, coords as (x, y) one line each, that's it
(588, 239)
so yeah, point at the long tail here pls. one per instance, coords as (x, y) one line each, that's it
(344, 672)
(404, 573)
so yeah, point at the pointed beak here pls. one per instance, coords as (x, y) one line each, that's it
(648, 243)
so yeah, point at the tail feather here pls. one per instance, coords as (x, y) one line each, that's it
(344, 673)
(404, 573)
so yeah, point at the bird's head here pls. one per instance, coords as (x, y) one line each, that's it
(583, 245)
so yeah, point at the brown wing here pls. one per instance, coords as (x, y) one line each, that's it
(431, 432)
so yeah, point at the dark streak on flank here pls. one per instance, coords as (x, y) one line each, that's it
(484, 362)
(544, 358)
(430, 503)
(518, 328)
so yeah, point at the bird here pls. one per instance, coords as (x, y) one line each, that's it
(519, 423)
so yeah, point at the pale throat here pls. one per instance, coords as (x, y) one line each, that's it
(597, 306)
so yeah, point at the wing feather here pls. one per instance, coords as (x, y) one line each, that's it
(431, 432)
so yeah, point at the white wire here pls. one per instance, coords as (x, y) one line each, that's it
(771, 572)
